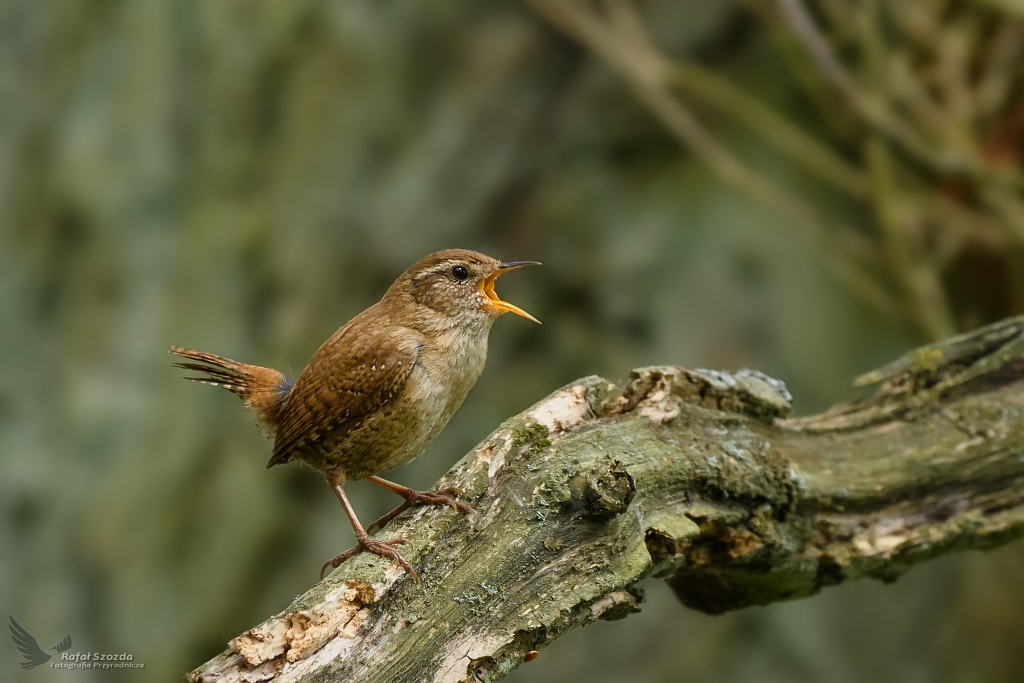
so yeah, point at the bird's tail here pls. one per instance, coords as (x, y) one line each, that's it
(263, 390)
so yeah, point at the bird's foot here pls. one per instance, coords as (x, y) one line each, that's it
(371, 545)
(414, 498)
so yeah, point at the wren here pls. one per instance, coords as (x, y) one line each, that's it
(382, 387)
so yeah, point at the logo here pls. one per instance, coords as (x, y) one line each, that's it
(34, 655)
(29, 648)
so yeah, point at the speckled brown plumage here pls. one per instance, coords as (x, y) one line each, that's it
(383, 386)
(355, 375)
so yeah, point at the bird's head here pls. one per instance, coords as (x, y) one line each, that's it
(455, 287)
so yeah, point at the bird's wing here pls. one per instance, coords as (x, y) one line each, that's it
(64, 644)
(27, 646)
(353, 374)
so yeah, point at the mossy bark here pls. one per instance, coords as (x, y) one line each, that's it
(696, 477)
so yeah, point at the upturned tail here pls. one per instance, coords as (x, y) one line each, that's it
(263, 390)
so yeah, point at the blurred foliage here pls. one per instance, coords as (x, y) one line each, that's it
(914, 116)
(242, 177)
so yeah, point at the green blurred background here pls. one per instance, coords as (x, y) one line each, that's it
(242, 176)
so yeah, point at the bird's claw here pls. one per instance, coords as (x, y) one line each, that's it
(415, 498)
(372, 545)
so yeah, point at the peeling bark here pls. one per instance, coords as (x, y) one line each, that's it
(693, 476)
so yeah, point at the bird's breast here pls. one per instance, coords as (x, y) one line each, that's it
(444, 373)
(443, 378)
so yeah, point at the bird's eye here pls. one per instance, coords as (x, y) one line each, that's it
(460, 273)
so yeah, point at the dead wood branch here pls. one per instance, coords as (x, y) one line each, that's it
(696, 477)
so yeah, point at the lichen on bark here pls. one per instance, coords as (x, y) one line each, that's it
(692, 476)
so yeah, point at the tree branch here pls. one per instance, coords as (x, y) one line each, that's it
(693, 476)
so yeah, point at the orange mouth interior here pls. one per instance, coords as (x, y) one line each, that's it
(487, 287)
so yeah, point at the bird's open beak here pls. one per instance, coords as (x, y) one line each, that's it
(496, 304)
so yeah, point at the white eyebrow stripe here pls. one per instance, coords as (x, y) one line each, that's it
(445, 266)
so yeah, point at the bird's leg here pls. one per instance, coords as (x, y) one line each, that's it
(413, 498)
(363, 540)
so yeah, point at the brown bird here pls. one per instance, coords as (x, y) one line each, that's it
(382, 387)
